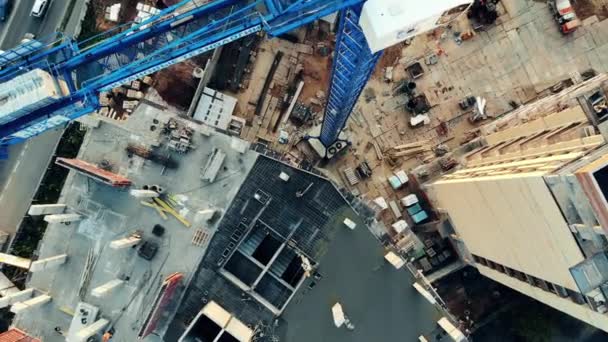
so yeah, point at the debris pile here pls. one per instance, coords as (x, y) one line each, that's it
(180, 136)
(112, 12)
(119, 103)
(144, 12)
(152, 155)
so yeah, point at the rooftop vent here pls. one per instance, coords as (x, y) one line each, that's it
(349, 223)
(284, 177)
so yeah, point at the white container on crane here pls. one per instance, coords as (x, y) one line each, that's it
(388, 22)
(28, 92)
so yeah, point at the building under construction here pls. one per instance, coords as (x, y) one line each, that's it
(222, 244)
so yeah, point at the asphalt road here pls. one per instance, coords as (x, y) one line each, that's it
(20, 175)
(26, 166)
(21, 22)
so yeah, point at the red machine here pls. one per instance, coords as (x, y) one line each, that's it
(564, 14)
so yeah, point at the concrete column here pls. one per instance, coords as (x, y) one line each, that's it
(48, 263)
(62, 218)
(30, 303)
(143, 193)
(16, 297)
(45, 209)
(93, 329)
(125, 242)
(15, 260)
(106, 288)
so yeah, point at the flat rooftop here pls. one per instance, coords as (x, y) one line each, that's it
(112, 213)
(349, 266)
(378, 299)
(248, 259)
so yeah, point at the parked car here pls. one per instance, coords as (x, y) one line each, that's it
(39, 8)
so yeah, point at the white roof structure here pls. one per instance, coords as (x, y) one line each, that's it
(400, 226)
(381, 202)
(215, 109)
(454, 333)
(409, 200)
(394, 259)
(402, 175)
(388, 22)
(112, 12)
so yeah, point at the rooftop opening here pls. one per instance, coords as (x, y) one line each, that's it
(226, 337)
(243, 268)
(204, 330)
(288, 266)
(601, 177)
(214, 324)
(260, 244)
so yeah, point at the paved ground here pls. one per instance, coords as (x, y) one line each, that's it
(519, 57)
(21, 173)
(516, 59)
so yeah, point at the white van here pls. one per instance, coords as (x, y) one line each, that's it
(39, 8)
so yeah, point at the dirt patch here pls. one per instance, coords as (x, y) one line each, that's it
(389, 58)
(128, 12)
(176, 85)
(587, 8)
(316, 73)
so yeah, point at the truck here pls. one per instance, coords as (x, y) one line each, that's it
(564, 15)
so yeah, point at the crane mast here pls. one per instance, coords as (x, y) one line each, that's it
(78, 72)
(353, 64)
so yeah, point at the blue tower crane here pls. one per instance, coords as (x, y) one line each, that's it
(80, 71)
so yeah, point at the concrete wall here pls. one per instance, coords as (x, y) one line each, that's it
(210, 67)
(514, 221)
(577, 209)
(582, 312)
(590, 186)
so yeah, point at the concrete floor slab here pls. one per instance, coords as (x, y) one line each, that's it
(112, 213)
(355, 274)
